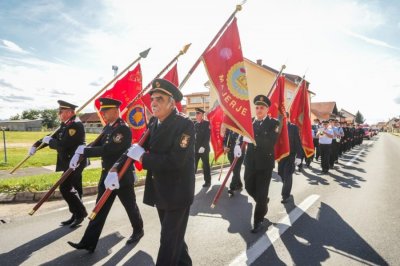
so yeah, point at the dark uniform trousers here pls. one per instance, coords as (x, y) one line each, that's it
(115, 141)
(128, 199)
(169, 186)
(230, 140)
(334, 153)
(259, 162)
(202, 130)
(65, 140)
(205, 157)
(286, 165)
(325, 150)
(236, 183)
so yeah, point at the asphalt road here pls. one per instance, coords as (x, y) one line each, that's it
(348, 217)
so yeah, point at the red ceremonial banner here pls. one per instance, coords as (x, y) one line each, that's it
(300, 116)
(171, 76)
(225, 69)
(125, 90)
(216, 117)
(278, 111)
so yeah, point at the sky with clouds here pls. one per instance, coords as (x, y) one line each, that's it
(55, 49)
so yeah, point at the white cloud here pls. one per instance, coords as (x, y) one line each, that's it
(370, 40)
(12, 46)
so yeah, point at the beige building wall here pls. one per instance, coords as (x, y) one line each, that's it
(259, 81)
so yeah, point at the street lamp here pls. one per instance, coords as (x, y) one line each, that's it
(115, 68)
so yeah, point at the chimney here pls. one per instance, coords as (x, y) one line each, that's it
(259, 62)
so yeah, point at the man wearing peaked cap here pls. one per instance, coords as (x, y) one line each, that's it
(168, 156)
(166, 87)
(107, 103)
(199, 110)
(65, 140)
(259, 160)
(66, 105)
(202, 145)
(262, 100)
(116, 139)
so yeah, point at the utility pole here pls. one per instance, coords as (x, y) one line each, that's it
(4, 141)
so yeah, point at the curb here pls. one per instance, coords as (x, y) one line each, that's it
(27, 196)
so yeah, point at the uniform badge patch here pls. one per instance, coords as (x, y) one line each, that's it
(118, 138)
(184, 141)
(71, 132)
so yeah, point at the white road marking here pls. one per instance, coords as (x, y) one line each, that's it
(354, 158)
(266, 240)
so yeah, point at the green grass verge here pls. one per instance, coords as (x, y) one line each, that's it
(16, 154)
(46, 181)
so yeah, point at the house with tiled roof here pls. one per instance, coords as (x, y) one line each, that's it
(91, 122)
(324, 111)
(348, 117)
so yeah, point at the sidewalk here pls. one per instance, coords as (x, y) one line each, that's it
(36, 196)
(40, 170)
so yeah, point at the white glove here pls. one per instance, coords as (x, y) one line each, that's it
(201, 149)
(237, 151)
(246, 139)
(32, 151)
(111, 182)
(46, 139)
(135, 152)
(80, 149)
(74, 161)
(297, 161)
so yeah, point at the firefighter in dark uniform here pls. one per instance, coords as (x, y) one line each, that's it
(287, 165)
(116, 139)
(168, 156)
(202, 145)
(232, 146)
(259, 160)
(66, 139)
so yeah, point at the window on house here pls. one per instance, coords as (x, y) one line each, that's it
(196, 100)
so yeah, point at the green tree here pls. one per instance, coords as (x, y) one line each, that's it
(50, 118)
(15, 117)
(30, 114)
(359, 118)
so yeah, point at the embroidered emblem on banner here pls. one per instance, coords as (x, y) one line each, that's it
(135, 117)
(237, 81)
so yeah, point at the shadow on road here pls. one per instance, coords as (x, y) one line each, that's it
(18, 255)
(239, 222)
(310, 240)
(82, 257)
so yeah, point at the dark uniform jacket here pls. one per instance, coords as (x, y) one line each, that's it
(169, 163)
(261, 157)
(116, 139)
(295, 141)
(202, 135)
(230, 140)
(65, 140)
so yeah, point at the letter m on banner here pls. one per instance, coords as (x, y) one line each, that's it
(225, 69)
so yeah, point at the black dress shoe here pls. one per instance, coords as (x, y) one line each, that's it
(81, 246)
(257, 227)
(206, 184)
(69, 221)
(230, 193)
(77, 222)
(135, 237)
(286, 200)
